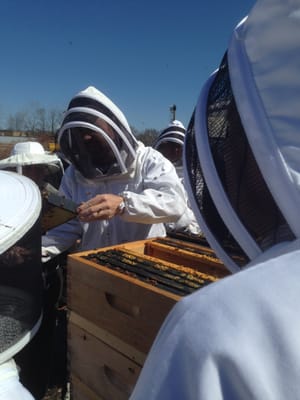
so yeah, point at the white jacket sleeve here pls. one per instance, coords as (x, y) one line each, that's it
(162, 198)
(187, 224)
(64, 236)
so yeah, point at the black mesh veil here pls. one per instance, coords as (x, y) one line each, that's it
(236, 175)
(202, 203)
(20, 292)
(112, 147)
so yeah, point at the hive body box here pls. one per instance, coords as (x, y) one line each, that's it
(114, 317)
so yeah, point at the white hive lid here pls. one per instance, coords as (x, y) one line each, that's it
(20, 207)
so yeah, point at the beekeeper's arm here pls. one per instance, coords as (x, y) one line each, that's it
(158, 198)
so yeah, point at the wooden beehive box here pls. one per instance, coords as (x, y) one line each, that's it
(188, 254)
(114, 317)
(98, 369)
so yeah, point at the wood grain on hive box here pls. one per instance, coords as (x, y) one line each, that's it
(114, 317)
(122, 305)
(98, 369)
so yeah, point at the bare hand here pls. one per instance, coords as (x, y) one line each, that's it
(102, 206)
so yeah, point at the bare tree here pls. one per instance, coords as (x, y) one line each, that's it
(30, 125)
(17, 121)
(54, 120)
(35, 120)
(41, 119)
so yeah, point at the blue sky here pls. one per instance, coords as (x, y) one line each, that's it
(144, 55)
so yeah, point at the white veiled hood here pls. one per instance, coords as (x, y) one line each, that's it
(264, 64)
(242, 147)
(30, 153)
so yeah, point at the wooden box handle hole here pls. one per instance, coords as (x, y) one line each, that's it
(122, 305)
(116, 380)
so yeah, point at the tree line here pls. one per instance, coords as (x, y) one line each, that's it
(41, 120)
(36, 121)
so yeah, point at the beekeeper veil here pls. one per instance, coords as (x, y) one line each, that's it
(242, 149)
(95, 136)
(170, 143)
(20, 263)
(30, 159)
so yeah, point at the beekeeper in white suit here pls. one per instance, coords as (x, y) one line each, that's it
(124, 190)
(239, 338)
(30, 159)
(170, 144)
(20, 277)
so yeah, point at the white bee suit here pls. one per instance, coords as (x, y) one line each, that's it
(147, 182)
(153, 195)
(238, 338)
(170, 136)
(10, 387)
